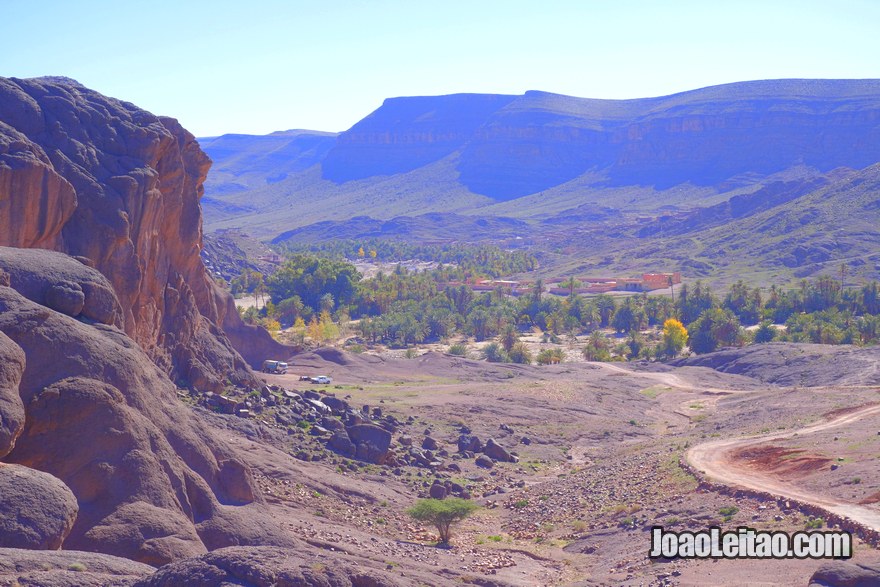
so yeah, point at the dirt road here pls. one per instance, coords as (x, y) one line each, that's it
(713, 459)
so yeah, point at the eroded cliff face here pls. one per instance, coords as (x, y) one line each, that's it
(119, 188)
(506, 147)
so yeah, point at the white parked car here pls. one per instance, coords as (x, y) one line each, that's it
(322, 379)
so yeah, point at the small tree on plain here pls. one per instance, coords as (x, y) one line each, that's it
(442, 513)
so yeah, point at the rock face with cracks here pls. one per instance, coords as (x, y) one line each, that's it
(102, 180)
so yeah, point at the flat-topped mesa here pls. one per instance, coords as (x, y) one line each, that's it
(119, 188)
(506, 147)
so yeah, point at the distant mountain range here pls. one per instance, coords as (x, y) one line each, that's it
(700, 160)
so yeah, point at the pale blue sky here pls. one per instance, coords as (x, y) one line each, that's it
(258, 66)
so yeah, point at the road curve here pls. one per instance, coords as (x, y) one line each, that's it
(713, 460)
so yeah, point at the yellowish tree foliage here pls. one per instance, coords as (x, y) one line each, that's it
(675, 337)
(315, 331)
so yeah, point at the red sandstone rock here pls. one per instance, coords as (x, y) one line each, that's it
(103, 180)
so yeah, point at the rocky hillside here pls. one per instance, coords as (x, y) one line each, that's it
(538, 153)
(118, 188)
(104, 302)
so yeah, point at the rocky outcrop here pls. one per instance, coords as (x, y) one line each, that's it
(265, 567)
(102, 180)
(11, 407)
(152, 484)
(37, 510)
(68, 568)
(845, 574)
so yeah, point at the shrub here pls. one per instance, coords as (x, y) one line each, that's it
(765, 332)
(551, 356)
(495, 353)
(459, 349)
(814, 523)
(520, 354)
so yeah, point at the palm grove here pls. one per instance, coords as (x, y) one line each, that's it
(317, 294)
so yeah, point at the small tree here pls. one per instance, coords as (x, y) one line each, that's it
(442, 513)
(597, 347)
(675, 337)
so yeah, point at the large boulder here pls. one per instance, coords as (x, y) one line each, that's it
(341, 444)
(497, 452)
(37, 510)
(846, 574)
(371, 442)
(266, 567)
(102, 418)
(62, 283)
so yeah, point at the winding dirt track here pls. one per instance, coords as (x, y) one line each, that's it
(714, 461)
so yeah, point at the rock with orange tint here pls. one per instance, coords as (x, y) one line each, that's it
(102, 180)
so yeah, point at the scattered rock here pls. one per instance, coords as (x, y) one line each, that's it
(498, 452)
(485, 462)
(468, 443)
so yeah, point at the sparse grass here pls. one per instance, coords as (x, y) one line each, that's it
(521, 504)
(655, 390)
(813, 523)
(728, 512)
(682, 479)
(77, 567)
(627, 522)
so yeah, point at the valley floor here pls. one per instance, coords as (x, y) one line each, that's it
(600, 452)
